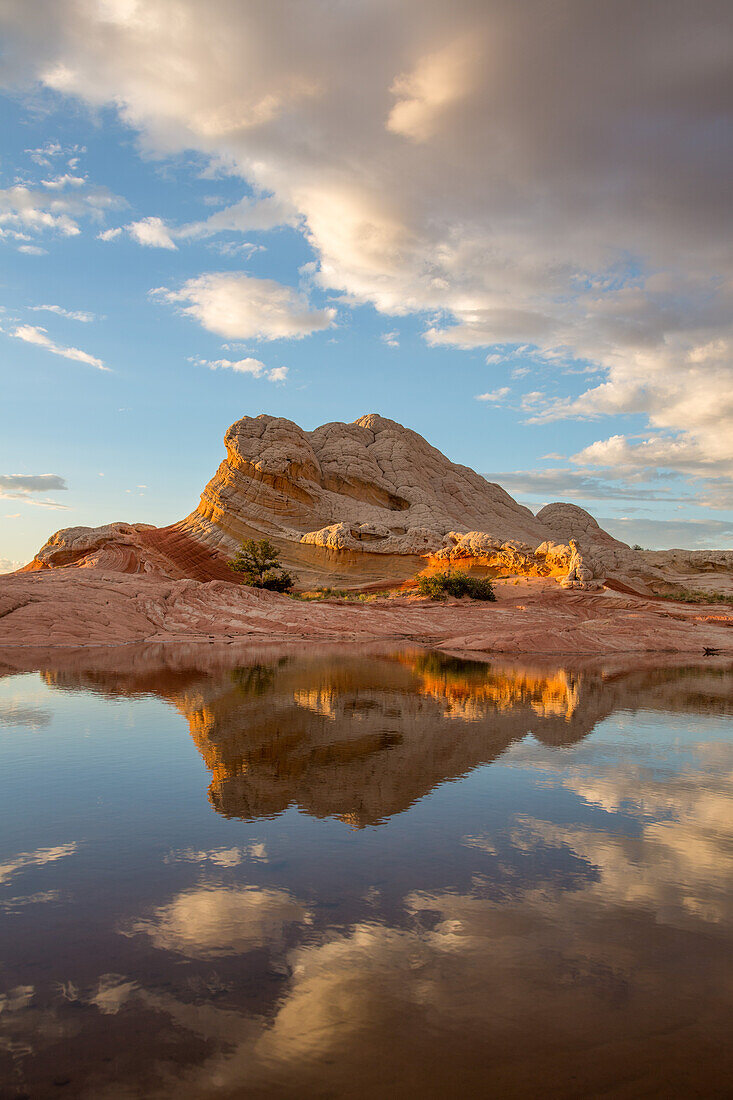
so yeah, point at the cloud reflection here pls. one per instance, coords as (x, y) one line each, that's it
(208, 921)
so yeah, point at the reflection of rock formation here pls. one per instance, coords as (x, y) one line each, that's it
(363, 736)
(363, 740)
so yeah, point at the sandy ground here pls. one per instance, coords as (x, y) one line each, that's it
(72, 606)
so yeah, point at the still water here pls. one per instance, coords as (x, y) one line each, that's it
(362, 874)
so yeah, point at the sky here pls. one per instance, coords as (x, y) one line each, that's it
(505, 225)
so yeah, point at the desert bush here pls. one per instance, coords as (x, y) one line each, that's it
(260, 567)
(686, 596)
(277, 582)
(455, 583)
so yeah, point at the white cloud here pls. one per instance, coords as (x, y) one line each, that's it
(240, 307)
(255, 367)
(242, 217)
(247, 214)
(494, 397)
(152, 232)
(277, 374)
(391, 339)
(436, 82)
(551, 182)
(72, 314)
(33, 334)
(9, 565)
(66, 180)
(44, 155)
(22, 207)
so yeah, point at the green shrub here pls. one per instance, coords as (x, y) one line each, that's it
(260, 567)
(686, 596)
(277, 582)
(439, 585)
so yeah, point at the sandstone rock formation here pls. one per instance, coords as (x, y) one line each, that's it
(569, 521)
(373, 503)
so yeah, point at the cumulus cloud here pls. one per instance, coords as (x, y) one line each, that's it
(247, 214)
(494, 397)
(151, 232)
(255, 367)
(25, 208)
(517, 178)
(33, 334)
(66, 180)
(240, 307)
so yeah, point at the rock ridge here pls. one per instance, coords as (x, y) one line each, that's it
(372, 502)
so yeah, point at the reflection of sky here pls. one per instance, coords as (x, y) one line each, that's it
(554, 900)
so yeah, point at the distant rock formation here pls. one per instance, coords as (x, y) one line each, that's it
(367, 503)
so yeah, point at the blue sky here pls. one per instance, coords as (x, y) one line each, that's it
(319, 237)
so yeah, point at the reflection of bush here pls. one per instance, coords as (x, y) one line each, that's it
(439, 585)
(441, 664)
(254, 680)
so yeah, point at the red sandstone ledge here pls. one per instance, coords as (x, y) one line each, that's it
(87, 606)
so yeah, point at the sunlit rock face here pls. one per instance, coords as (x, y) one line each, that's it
(366, 488)
(372, 502)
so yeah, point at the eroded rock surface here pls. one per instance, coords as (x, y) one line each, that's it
(371, 486)
(373, 503)
(70, 606)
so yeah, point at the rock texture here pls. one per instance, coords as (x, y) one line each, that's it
(71, 606)
(372, 486)
(569, 521)
(372, 503)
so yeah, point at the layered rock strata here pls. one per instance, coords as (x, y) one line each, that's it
(373, 503)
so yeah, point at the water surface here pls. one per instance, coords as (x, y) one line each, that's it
(364, 874)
